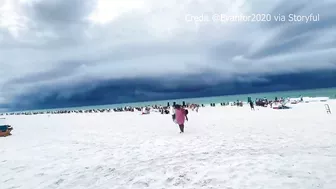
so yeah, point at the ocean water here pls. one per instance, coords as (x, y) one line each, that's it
(328, 92)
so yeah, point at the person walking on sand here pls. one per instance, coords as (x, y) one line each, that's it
(180, 117)
(251, 105)
(249, 100)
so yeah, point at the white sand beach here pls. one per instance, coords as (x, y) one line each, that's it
(222, 148)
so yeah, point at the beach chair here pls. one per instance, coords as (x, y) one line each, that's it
(327, 108)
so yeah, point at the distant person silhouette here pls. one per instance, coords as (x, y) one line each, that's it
(251, 105)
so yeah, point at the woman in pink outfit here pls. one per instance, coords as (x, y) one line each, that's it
(180, 117)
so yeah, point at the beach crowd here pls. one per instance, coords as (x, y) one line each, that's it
(263, 102)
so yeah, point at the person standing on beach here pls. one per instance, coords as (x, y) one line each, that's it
(249, 100)
(251, 105)
(180, 117)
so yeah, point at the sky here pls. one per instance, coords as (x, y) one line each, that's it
(61, 53)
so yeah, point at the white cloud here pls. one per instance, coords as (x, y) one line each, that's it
(116, 39)
(109, 10)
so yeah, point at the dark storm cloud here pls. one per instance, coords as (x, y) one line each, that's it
(52, 53)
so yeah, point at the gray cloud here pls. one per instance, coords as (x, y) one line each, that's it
(53, 43)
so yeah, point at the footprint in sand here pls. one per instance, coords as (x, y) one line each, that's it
(19, 169)
(40, 174)
(170, 179)
(59, 181)
(8, 180)
(203, 183)
(140, 184)
(177, 168)
(14, 187)
(180, 182)
(143, 183)
(99, 168)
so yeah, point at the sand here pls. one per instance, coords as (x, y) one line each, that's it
(223, 147)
